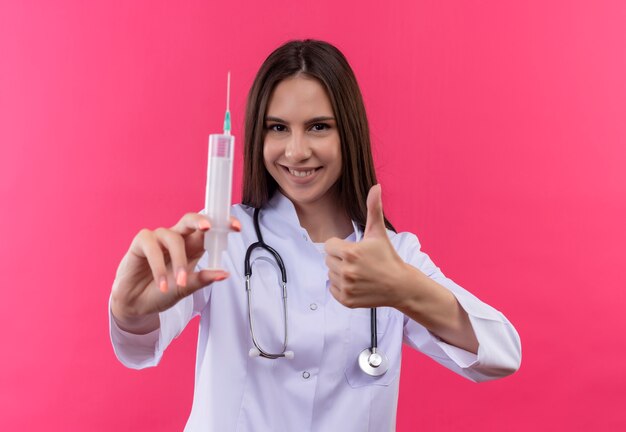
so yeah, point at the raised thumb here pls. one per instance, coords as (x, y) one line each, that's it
(375, 224)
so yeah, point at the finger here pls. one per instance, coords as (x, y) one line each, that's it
(175, 246)
(336, 292)
(337, 247)
(337, 280)
(194, 242)
(333, 263)
(198, 280)
(194, 246)
(375, 224)
(190, 223)
(145, 245)
(235, 225)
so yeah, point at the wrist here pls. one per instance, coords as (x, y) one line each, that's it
(137, 324)
(407, 284)
(420, 296)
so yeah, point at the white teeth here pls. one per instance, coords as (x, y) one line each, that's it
(301, 173)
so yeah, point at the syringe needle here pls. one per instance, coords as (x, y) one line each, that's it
(228, 93)
(227, 115)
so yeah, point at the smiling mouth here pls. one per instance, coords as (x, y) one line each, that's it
(301, 173)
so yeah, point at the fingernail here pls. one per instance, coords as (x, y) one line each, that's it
(204, 224)
(237, 225)
(163, 284)
(220, 277)
(181, 278)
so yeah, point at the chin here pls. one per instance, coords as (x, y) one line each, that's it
(305, 197)
(300, 197)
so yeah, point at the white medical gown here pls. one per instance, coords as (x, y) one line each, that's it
(322, 387)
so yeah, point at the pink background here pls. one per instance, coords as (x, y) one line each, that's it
(500, 139)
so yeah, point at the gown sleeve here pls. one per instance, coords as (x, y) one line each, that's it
(499, 351)
(140, 351)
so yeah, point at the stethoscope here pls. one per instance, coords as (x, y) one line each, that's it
(371, 360)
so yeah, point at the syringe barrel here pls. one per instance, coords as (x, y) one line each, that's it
(218, 196)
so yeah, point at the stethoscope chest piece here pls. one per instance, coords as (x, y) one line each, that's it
(373, 363)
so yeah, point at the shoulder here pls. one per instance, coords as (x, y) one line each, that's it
(404, 241)
(241, 210)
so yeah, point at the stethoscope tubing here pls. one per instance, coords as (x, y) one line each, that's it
(248, 274)
(261, 351)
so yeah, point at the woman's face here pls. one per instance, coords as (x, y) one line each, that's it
(302, 150)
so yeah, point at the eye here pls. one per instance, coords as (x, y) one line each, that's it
(276, 127)
(320, 127)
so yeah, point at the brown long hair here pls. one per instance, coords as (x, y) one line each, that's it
(322, 61)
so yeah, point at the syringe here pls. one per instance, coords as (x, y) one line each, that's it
(218, 189)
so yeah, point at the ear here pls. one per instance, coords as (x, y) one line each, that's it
(375, 224)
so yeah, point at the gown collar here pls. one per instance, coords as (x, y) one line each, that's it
(283, 208)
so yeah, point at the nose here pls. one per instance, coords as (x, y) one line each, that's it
(297, 148)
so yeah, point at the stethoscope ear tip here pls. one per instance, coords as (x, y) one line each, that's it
(254, 352)
(289, 355)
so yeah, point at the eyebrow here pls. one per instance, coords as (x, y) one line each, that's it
(313, 120)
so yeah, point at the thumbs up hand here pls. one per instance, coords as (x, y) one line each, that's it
(365, 274)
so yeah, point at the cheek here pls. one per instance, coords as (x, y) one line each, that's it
(265, 155)
(336, 154)
(268, 156)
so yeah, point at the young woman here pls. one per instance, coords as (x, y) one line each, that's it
(326, 358)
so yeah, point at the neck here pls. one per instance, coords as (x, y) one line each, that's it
(324, 219)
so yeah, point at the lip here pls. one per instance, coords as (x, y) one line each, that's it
(301, 180)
